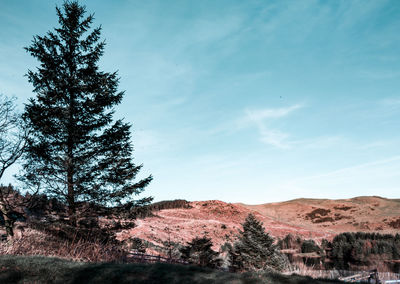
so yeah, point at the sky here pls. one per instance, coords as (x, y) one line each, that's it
(242, 101)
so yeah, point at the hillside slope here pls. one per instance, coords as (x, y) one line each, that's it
(309, 218)
(365, 213)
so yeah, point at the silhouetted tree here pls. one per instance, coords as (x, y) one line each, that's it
(77, 152)
(310, 246)
(12, 144)
(255, 249)
(199, 251)
(11, 205)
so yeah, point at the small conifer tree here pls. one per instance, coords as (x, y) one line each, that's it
(255, 249)
(199, 251)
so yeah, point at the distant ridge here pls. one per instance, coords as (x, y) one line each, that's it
(361, 213)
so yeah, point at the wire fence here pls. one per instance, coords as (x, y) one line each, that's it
(149, 258)
(336, 274)
(327, 274)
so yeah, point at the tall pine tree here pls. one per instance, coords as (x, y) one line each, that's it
(76, 151)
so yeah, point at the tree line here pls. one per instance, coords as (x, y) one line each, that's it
(254, 249)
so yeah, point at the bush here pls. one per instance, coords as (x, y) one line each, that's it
(137, 245)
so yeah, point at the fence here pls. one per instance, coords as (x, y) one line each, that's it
(335, 274)
(328, 274)
(149, 258)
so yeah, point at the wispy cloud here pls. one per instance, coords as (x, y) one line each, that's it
(274, 137)
(260, 115)
(322, 142)
(263, 119)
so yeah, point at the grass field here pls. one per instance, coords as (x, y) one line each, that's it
(37, 269)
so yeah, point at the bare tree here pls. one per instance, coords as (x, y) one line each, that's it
(11, 202)
(12, 143)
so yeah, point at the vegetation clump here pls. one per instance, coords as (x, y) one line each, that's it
(395, 224)
(309, 246)
(320, 215)
(255, 249)
(350, 250)
(199, 251)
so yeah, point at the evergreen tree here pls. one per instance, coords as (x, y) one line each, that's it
(255, 249)
(199, 251)
(77, 152)
(310, 246)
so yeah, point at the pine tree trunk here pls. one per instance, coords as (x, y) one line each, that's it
(71, 191)
(70, 145)
(71, 198)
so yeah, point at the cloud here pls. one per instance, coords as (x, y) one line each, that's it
(274, 137)
(263, 118)
(261, 115)
(322, 142)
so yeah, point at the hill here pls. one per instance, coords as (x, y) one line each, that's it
(309, 218)
(364, 213)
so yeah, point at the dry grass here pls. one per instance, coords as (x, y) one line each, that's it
(19, 269)
(37, 243)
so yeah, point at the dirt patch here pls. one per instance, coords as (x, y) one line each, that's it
(340, 217)
(317, 213)
(323, 220)
(344, 208)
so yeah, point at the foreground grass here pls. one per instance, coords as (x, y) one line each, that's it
(37, 269)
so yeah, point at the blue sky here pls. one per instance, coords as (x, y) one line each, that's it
(243, 101)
